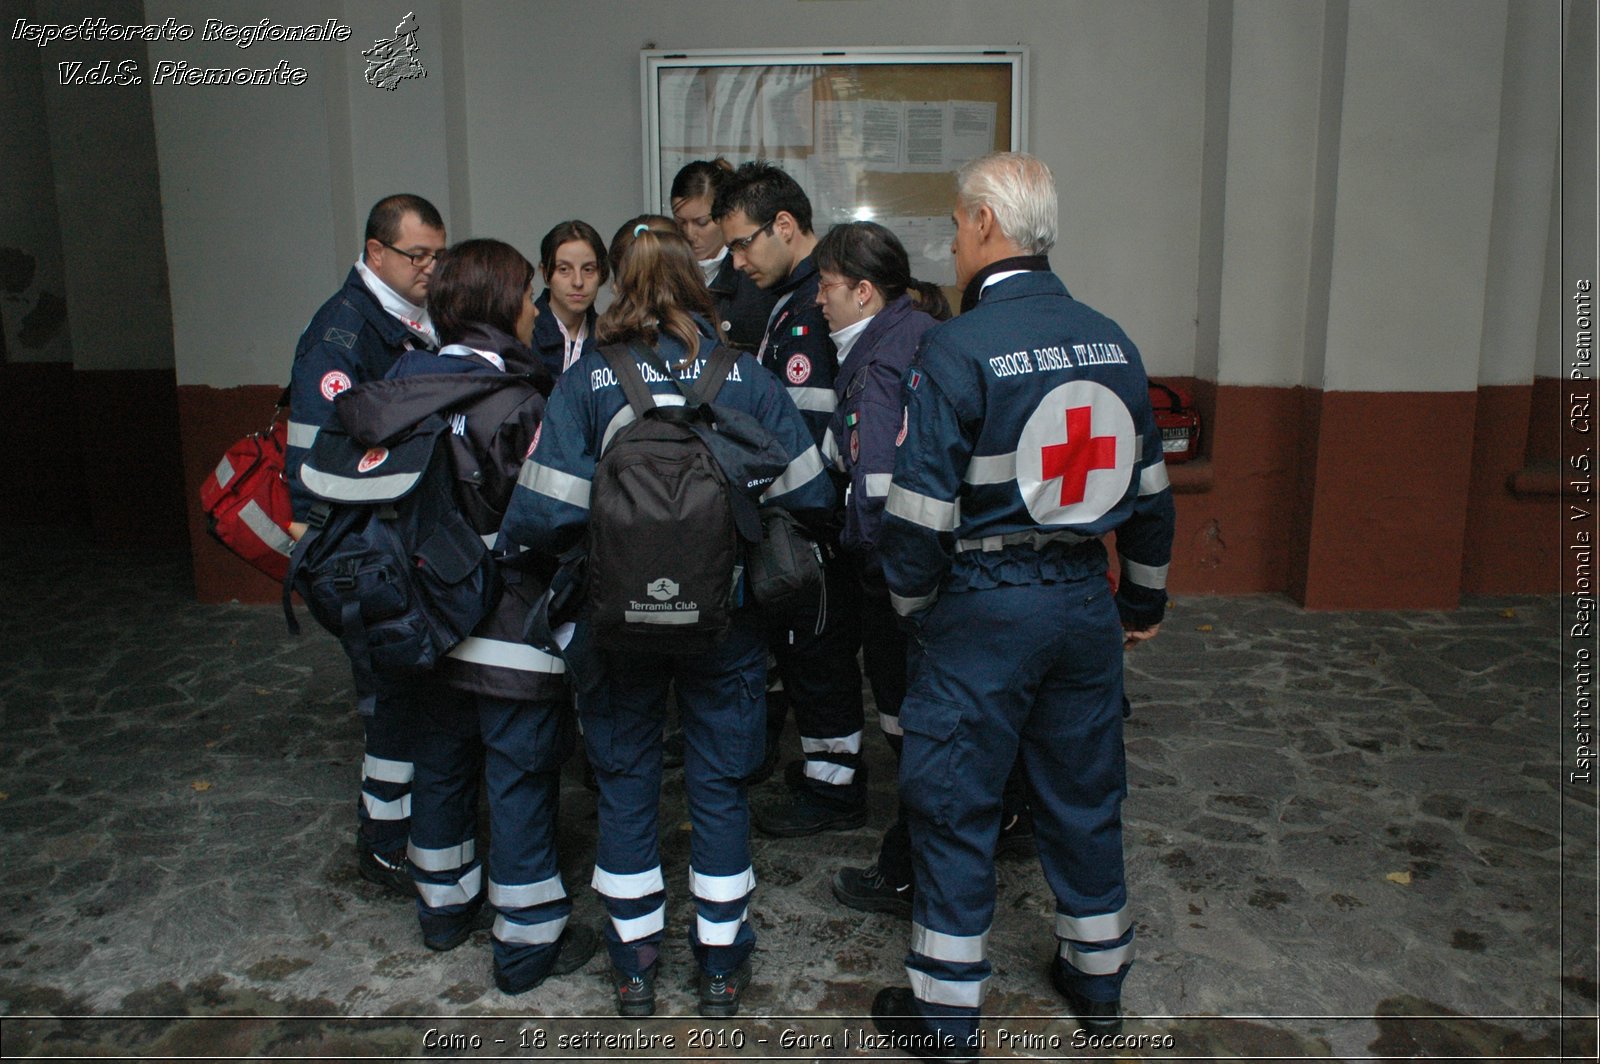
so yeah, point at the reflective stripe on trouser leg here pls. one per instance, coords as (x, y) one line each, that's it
(523, 746)
(621, 707)
(444, 799)
(722, 695)
(384, 806)
(1095, 945)
(822, 680)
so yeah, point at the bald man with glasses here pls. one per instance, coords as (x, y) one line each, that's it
(378, 315)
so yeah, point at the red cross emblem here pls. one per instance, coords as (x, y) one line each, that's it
(1083, 453)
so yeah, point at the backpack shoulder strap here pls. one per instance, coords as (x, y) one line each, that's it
(626, 370)
(716, 371)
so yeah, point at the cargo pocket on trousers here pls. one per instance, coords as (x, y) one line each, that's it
(928, 762)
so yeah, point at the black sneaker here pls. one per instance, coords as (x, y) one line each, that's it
(795, 815)
(391, 870)
(719, 994)
(448, 933)
(894, 1013)
(1095, 1017)
(573, 950)
(636, 994)
(866, 890)
(1016, 837)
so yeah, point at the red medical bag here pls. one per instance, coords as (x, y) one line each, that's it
(246, 500)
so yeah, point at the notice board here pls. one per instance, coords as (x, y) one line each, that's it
(870, 133)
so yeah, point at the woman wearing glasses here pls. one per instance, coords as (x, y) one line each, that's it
(572, 258)
(661, 303)
(742, 306)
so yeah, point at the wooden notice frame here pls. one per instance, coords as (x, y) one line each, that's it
(870, 133)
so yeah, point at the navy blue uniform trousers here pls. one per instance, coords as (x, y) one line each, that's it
(1035, 669)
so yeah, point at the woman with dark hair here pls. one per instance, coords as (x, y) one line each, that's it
(572, 258)
(659, 312)
(496, 707)
(877, 313)
(742, 305)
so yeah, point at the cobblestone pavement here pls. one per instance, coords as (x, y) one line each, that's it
(1347, 838)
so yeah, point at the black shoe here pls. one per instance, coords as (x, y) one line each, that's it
(866, 890)
(1095, 1017)
(448, 933)
(1016, 837)
(797, 815)
(894, 1013)
(573, 950)
(636, 994)
(391, 870)
(719, 994)
(794, 775)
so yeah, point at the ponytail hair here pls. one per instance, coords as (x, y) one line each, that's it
(867, 251)
(659, 287)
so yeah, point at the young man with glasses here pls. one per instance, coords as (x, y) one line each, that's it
(766, 221)
(377, 316)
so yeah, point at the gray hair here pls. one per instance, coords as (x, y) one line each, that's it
(1021, 191)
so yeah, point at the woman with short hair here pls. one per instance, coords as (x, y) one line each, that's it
(572, 259)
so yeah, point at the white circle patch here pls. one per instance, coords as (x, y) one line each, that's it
(1075, 457)
(333, 382)
(798, 369)
(372, 459)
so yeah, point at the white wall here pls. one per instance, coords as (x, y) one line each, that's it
(530, 115)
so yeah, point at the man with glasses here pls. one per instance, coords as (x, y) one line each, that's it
(766, 220)
(355, 336)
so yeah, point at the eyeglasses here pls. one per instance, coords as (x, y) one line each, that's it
(419, 259)
(743, 243)
(825, 285)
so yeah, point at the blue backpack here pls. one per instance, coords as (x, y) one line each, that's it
(388, 563)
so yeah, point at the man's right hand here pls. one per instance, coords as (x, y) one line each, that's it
(1132, 637)
(296, 530)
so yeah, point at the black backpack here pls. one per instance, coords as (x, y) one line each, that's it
(388, 563)
(673, 495)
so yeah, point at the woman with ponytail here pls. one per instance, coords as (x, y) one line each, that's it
(742, 306)
(661, 304)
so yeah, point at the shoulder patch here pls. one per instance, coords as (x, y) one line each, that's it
(798, 370)
(333, 382)
(913, 379)
(341, 337)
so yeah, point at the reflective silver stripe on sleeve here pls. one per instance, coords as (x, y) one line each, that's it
(718, 932)
(1153, 479)
(890, 724)
(399, 809)
(526, 895)
(1097, 962)
(1037, 539)
(991, 468)
(635, 885)
(830, 451)
(1150, 576)
(444, 859)
(356, 489)
(266, 530)
(877, 484)
(661, 616)
(956, 949)
(562, 487)
(722, 888)
(1103, 928)
(640, 926)
(844, 744)
(381, 768)
(905, 607)
(816, 400)
(438, 895)
(224, 472)
(301, 434)
(624, 417)
(514, 933)
(923, 510)
(798, 472)
(962, 994)
(476, 650)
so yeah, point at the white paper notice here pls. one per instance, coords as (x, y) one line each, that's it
(927, 241)
(971, 130)
(684, 117)
(786, 108)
